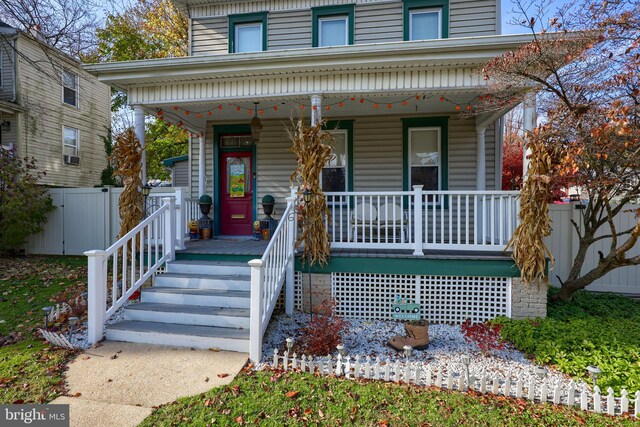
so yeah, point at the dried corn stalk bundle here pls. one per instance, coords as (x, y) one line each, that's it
(529, 250)
(127, 153)
(313, 149)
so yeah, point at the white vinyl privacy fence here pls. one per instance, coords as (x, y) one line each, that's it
(563, 244)
(87, 218)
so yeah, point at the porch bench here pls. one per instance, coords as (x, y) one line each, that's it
(384, 224)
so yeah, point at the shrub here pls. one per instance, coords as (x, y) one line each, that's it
(485, 335)
(593, 329)
(23, 203)
(323, 332)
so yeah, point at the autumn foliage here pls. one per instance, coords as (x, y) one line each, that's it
(323, 332)
(584, 67)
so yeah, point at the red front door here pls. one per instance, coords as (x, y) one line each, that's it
(236, 194)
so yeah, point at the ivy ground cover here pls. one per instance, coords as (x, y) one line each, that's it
(593, 329)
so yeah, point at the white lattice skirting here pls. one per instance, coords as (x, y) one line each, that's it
(444, 299)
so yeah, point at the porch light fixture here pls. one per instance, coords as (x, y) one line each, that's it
(256, 124)
(146, 190)
(594, 371)
(289, 344)
(341, 351)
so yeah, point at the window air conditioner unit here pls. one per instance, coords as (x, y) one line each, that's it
(71, 160)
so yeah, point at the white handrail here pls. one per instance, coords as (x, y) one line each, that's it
(132, 260)
(422, 219)
(267, 277)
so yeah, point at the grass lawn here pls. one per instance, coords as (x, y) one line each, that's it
(31, 370)
(276, 399)
(593, 329)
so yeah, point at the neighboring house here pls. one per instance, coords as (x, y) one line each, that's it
(179, 170)
(52, 110)
(391, 78)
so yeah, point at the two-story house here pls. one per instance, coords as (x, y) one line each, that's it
(52, 110)
(416, 208)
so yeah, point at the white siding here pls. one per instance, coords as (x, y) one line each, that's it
(180, 174)
(289, 22)
(7, 72)
(377, 157)
(289, 30)
(209, 36)
(376, 23)
(472, 18)
(40, 126)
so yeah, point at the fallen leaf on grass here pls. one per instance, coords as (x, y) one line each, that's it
(292, 394)
(223, 375)
(239, 420)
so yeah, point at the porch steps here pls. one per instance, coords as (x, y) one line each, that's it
(196, 304)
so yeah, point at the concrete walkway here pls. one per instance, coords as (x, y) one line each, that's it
(118, 384)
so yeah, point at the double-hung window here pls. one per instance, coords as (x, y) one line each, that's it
(69, 88)
(248, 32)
(426, 19)
(332, 25)
(70, 145)
(337, 175)
(425, 152)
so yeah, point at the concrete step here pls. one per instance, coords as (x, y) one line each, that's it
(179, 335)
(203, 281)
(209, 267)
(188, 315)
(200, 297)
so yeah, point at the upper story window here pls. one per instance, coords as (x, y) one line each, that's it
(332, 25)
(70, 145)
(248, 32)
(69, 88)
(426, 19)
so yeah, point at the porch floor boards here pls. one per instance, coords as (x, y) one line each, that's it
(248, 247)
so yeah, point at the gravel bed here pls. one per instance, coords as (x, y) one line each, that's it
(446, 348)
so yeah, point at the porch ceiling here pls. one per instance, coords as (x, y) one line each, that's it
(341, 106)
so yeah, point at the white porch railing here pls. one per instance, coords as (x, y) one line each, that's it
(267, 276)
(183, 206)
(419, 220)
(116, 273)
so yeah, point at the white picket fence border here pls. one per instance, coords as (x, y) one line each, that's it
(416, 373)
(60, 309)
(56, 339)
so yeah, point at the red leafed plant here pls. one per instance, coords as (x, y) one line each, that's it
(485, 335)
(323, 332)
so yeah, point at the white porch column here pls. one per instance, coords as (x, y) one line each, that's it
(138, 126)
(201, 164)
(481, 169)
(316, 109)
(529, 121)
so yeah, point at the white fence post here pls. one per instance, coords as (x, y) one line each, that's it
(290, 276)
(417, 220)
(97, 294)
(169, 228)
(181, 221)
(255, 319)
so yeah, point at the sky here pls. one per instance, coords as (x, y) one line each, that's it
(508, 14)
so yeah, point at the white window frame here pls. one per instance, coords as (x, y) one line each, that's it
(345, 132)
(64, 144)
(76, 89)
(416, 11)
(344, 18)
(439, 132)
(236, 38)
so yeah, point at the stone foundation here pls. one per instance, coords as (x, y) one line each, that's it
(528, 301)
(320, 290)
